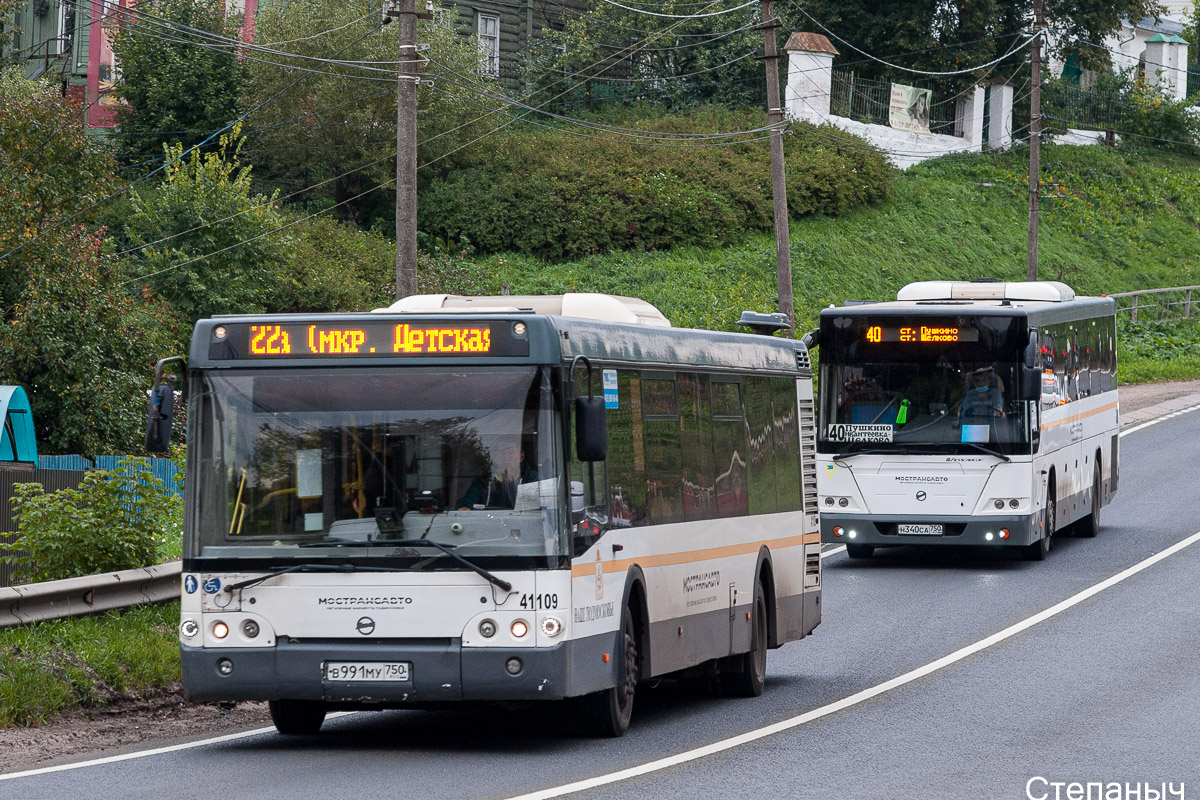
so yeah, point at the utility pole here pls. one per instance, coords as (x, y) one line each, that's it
(1035, 127)
(406, 151)
(783, 245)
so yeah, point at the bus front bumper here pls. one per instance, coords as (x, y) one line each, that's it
(878, 530)
(438, 672)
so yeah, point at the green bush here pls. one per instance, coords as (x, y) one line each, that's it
(562, 196)
(116, 519)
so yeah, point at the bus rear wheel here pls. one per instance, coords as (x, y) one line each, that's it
(607, 713)
(748, 671)
(297, 717)
(1089, 526)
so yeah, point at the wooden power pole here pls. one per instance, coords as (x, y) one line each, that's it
(783, 245)
(1035, 127)
(406, 151)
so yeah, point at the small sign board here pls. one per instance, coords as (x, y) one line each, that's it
(610, 389)
(910, 107)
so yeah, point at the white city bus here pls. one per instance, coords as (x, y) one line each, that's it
(490, 499)
(967, 413)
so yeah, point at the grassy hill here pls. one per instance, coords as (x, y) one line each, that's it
(1122, 221)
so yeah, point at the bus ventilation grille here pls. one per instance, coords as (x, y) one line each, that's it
(802, 360)
(808, 456)
(812, 566)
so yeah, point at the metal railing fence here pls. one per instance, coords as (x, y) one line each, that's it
(1154, 305)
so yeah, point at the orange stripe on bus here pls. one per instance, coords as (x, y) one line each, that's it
(586, 568)
(1077, 417)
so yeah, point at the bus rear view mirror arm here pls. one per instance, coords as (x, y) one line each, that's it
(162, 407)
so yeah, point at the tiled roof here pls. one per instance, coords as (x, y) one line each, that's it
(809, 43)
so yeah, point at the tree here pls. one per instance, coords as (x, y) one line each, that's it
(83, 348)
(336, 127)
(608, 51)
(683, 62)
(178, 91)
(939, 36)
(51, 170)
(206, 244)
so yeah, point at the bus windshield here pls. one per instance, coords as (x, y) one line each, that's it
(327, 463)
(895, 405)
(942, 386)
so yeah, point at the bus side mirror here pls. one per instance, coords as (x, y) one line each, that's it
(1031, 351)
(1031, 381)
(591, 429)
(158, 418)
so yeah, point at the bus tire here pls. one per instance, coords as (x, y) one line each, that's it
(1089, 526)
(859, 550)
(297, 717)
(1041, 548)
(747, 672)
(607, 713)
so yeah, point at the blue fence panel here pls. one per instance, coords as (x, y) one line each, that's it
(163, 468)
(64, 462)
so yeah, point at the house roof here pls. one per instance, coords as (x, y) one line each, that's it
(809, 43)
(1169, 38)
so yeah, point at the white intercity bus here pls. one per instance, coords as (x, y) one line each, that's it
(490, 499)
(967, 413)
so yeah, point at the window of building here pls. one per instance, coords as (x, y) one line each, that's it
(488, 28)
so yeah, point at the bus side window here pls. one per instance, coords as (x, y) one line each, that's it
(1049, 360)
(664, 459)
(626, 457)
(729, 448)
(699, 502)
(760, 431)
(785, 424)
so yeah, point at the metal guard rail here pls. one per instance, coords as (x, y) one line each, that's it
(77, 597)
(1160, 305)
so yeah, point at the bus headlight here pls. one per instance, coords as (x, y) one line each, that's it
(487, 629)
(845, 501)
(999, 504)
(250, 628)
(220, 630)
(551, 626)
(519, 628)
(838, 530)
(1014, 503)
(189, 628)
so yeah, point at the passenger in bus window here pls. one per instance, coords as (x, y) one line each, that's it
(983, 395)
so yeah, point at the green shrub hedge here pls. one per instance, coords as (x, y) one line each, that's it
(559, 195)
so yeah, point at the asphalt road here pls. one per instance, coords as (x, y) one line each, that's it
(1104, 691)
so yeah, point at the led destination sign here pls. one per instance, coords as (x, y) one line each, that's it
(372, 339)
(920, 334)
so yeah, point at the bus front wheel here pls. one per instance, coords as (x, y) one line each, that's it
(297, 717)
(1041, 548)
(607, 713)
(859, 550)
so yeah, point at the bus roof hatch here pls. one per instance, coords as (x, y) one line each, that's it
(1041, 291)
(584, 305)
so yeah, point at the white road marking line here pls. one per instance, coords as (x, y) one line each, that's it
(1157, 420)
(861, 697)
(727, 743)
(156, 751)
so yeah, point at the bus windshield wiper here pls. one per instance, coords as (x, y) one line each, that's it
(277, 571)
(448, 549)
(903, 451)
(989, 451)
